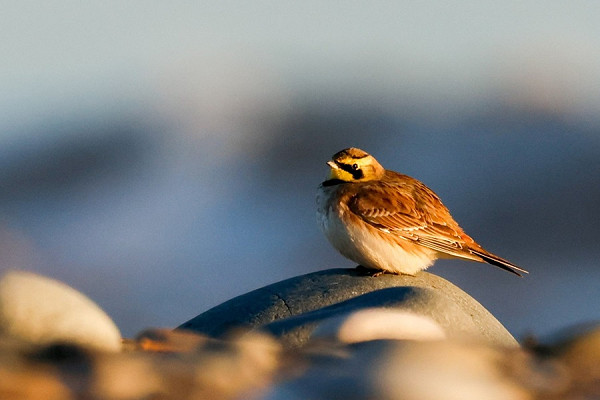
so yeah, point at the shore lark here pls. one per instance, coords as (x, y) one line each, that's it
(390, 222)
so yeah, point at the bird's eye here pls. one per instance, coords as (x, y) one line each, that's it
(355, 167)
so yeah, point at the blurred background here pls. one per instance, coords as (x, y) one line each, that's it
(163, 157)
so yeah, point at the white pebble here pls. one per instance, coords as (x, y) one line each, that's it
(379, 323)
(41, 310)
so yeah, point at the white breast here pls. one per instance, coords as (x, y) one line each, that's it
(366, 245)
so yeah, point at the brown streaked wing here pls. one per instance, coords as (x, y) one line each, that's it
(407, 208)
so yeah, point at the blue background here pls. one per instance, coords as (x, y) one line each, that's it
(163, 158)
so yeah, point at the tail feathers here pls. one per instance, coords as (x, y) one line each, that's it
(499, 262)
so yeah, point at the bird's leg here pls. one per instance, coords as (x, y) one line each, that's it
(362, 270)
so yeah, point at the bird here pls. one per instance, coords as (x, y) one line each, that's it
(389, 222)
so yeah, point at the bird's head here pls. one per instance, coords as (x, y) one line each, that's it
(354, 165)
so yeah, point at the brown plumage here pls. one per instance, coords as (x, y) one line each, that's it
(391, 222)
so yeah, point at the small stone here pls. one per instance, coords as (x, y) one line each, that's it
(42, 311)
(376, 324)
(169, 341)
(577, 349)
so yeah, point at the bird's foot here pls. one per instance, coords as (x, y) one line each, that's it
(369, 271)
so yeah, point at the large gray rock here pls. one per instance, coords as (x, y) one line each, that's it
(293, 308)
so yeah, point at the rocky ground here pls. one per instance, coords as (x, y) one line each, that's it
(336, 334)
